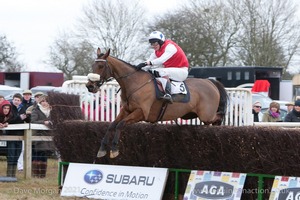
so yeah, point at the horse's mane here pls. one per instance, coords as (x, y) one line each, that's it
(120, 60)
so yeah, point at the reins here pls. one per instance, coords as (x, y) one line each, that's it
(118, 78)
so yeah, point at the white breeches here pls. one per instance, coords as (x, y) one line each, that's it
(174, 73)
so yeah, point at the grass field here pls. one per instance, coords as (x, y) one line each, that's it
(31, 189)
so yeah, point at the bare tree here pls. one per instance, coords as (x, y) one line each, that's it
(71, 56)
(204, 29)
(115, 25)
(269, 35)
(8, 56)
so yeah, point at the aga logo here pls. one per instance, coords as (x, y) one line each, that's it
(93, 176)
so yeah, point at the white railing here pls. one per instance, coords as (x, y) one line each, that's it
(239, 110)
(289, 125)
(105, 105)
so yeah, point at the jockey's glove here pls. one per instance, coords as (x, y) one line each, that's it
(156, 73)
(141, 65)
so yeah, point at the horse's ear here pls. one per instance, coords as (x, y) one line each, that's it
(98, 52)
(106, 54)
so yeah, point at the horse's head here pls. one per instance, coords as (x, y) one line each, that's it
(101, 72)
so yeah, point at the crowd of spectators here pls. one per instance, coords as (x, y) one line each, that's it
(22, 108)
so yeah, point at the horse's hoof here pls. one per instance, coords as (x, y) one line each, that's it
(114, 154)
(101, 153)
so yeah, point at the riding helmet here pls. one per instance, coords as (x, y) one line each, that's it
(157, 36)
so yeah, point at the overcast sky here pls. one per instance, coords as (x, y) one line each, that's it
(32, 25)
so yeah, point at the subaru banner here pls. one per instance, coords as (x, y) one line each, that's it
(114, 182)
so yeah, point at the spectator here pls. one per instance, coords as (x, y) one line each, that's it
(14, 148)
(1, 99)
(289, 106)
(273, 113)
(36, 100)
(256, 110)
(294, 115)
(41, 150)
(27, 101)
(5, 113)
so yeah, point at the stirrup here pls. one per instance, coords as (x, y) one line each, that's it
(168, 98)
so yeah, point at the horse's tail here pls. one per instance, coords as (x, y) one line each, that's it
(223, 98)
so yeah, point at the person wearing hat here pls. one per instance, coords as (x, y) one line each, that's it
(273, 113)
(168, 61)
(41, 114)
(27, 101)
(289, 106)
(36, 101)
(294, 115)
(256, 110)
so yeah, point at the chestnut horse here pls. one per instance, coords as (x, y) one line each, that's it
(208, 98)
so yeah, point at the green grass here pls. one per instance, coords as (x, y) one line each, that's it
(34, 188)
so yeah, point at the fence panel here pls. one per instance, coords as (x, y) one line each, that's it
(28, 138)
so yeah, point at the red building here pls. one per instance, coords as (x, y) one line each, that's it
(27, 80)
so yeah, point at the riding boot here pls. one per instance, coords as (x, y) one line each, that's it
(43, 169)
(35, 169)
(11, 170)
(168, 96)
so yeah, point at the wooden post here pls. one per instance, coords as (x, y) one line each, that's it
(27, 153)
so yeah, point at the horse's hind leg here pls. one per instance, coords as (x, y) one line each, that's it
(104, 142)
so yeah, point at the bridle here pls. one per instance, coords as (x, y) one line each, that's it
(103, 74)
(110, 71)
(104, 80)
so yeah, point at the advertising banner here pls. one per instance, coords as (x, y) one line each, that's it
(214, 185)
(114, 182)
(285, 188)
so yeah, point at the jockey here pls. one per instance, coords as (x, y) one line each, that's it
(167, 61)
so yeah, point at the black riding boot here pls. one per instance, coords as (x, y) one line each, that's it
(11, 170)
(168, 96)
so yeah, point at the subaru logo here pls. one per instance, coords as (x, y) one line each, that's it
(93, 176)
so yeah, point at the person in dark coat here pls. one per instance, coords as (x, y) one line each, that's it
(26, 100)
(41, 149)
(14, 148)
(294, 115)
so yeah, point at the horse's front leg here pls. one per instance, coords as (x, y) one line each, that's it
(111, 128)
(135, 116)
(104, 141)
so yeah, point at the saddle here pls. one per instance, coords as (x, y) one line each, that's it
(179, 90)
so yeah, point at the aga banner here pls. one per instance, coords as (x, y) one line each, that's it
(285, 188)
(214, 185)
(114, 182)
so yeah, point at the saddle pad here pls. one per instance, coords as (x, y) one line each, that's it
(179, 97)
(177, 87)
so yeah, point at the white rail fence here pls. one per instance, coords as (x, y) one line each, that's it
(105, 105)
